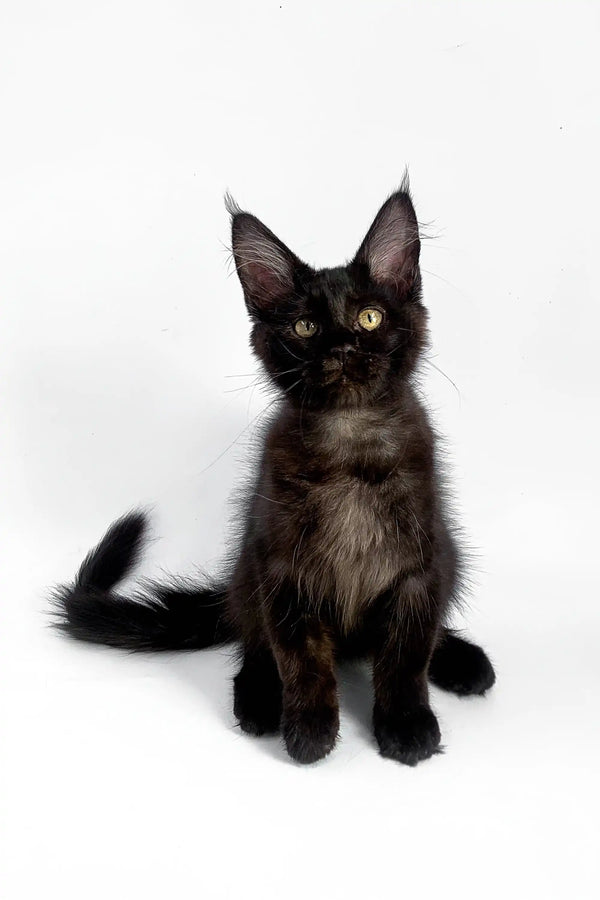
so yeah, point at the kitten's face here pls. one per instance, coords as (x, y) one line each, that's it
(336, 338)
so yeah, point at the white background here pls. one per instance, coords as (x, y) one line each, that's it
(122, 124)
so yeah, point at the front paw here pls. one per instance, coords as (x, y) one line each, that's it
(310, 734)
(408, 735)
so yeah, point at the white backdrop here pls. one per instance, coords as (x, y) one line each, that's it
(123, 123)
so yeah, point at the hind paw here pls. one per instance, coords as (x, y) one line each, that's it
(461, 667)
(257, 701)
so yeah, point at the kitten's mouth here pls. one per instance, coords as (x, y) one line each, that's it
(333, 371)
(341, 383)
(342, 372)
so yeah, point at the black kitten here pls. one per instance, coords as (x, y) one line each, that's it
(347, 548)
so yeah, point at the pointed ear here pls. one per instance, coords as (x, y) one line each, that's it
(391, 247)
(265, 266)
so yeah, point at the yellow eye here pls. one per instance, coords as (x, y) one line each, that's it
(370, 319)
(305, 328)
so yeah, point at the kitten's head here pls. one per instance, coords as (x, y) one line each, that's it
(343, 337)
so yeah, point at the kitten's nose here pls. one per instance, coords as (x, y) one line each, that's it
(342, 351)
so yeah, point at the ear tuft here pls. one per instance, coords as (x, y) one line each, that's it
(392, 245)
(230, 205)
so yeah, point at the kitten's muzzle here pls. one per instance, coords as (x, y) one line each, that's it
(339, 363)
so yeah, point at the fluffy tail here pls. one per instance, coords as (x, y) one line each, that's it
(179, 616)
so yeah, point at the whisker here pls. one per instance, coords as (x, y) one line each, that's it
(291, 352)
(250, 400)
(270, 499)
(445, 280)
(447, 377)
(243, 431)
(247, 375)
(246, 387)
(291, 387)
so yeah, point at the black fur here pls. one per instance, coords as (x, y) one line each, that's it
(160, 617)
(348, 547)
(461, 667)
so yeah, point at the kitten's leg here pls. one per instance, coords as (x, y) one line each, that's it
(460, 666)
(405, 726)
(304, 652)
(257, 693)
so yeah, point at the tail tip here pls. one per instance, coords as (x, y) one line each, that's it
(116, 554)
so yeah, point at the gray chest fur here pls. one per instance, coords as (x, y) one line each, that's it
(357, 543)
(353, 554)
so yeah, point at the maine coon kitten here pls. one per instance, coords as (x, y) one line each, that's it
(347, 548)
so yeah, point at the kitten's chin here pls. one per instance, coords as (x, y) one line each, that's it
(341, 393)
(334, 387)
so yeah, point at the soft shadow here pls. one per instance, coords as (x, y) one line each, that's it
(356, 695)
(209, 673)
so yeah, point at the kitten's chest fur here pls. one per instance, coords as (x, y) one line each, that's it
(352, 555)
(354, 539)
